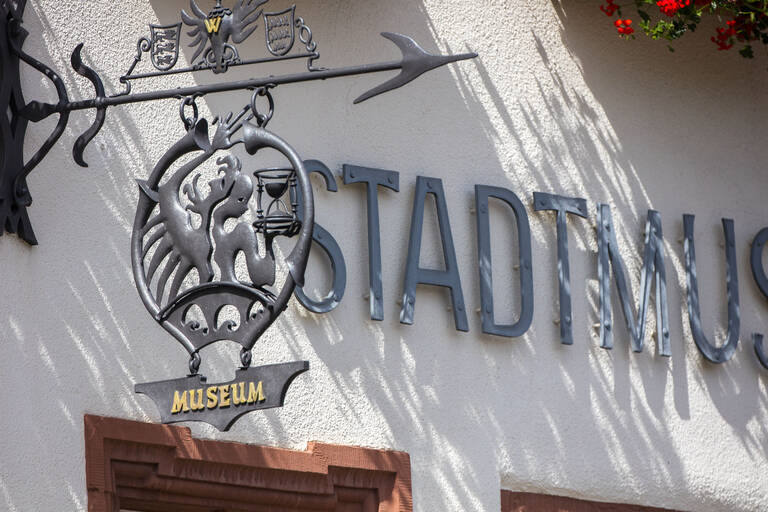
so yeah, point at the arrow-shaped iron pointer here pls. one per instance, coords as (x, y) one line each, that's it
(415, 62)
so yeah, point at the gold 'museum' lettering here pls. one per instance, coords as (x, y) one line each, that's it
(212, 25)
(238, 397)
(217, 397)
(179, 402)
(255, 394)
(196, 405)
(224, 395)
(213, 399)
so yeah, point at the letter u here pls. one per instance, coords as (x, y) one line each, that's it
(708, 350)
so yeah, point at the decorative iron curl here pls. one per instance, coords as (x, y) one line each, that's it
(101, 111)
(305, 36)
(143, 45)
(18, 34)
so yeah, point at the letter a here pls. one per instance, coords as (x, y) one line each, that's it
(414, 274)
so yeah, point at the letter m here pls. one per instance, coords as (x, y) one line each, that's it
(653, 265)
(212, 24)
(179, 402)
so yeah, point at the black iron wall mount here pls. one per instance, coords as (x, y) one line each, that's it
(214, 37)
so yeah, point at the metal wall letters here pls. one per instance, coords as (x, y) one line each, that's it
(653, 265)
(331, 248)
(563, 206)
(482, 193)
(372, 178)
(414, 274)
(756, 262)
(707, 349)
(179, 233)
(762, 357)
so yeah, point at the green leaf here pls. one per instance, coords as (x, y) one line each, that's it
(746, 52)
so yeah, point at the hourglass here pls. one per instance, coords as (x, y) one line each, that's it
(277, 219)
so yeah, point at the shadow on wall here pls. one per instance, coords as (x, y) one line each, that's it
(580, 114)
(686, 144)
(67, 344)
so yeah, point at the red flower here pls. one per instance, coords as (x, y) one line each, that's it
(725, 35)
(670, 7)
(623, 27)
(609, 8)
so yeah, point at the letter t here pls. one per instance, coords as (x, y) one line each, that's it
(563, 206)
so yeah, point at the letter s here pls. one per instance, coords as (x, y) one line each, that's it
(326, 241)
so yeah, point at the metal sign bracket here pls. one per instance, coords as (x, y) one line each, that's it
(215, 38)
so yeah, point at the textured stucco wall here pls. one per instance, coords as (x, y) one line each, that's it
(555, 103)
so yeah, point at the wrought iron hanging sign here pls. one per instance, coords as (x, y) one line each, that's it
(164, 237)
(182, 255)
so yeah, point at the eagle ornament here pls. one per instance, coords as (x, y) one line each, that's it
(212, 32)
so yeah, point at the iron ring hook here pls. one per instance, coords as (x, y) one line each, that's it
(261, 119)
(246, 357)
(194, 363)
(189, 122)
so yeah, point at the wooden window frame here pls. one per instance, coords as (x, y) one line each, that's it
(152, 467)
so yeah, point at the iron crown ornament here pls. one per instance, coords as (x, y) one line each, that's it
(188, 235)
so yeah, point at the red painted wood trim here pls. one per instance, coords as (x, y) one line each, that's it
(148, 466)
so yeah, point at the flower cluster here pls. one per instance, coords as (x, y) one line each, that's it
(623, 27)
(746, 20)
(609, 8)
(725, 35)
(670, 7)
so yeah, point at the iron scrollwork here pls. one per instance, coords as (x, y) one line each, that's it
(15, 196)
(188, 237)
(215, 36)
(185, 248)
(184, 258)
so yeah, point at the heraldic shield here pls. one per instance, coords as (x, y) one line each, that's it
(280, 34)
(185, 260)
(165, 45)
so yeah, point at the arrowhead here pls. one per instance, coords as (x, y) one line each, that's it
(416, 61)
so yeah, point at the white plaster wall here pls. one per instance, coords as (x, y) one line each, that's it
(555, 103)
